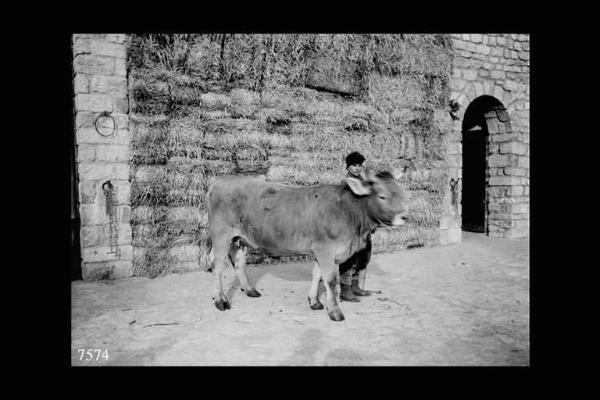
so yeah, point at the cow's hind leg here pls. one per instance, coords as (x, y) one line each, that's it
(219, 262)
(313, 293)
(331, 275)
(237, 256)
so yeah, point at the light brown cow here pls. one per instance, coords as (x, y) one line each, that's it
(329, 221)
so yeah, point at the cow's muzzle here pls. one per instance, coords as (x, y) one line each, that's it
(399, 219)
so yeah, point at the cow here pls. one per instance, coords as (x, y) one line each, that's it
(328, 221)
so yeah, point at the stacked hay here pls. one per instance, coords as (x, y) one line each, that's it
(209, 105)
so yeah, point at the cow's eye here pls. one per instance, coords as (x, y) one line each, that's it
(382, 197)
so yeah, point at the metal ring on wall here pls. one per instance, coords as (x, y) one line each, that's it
(102, 117)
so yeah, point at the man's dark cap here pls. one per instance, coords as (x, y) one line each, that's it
(354, 158)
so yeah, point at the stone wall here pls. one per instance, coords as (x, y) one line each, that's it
(497, 65)
(494, 65)
(100, 85)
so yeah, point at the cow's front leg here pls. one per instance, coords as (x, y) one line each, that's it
(313, 293)
(331, 275)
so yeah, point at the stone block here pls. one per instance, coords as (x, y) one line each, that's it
(504, 180)
(483, 49)
(513, 148)
(113, 152)
(499, 93)
(524, 55)
(87, 192)
(470, 74)
(86, 153)
(106, 48)
(87, 119)
(93, 102)
(106, 171)
(105, 253)
(515, 171)
(475, 38)
(93, 214)
(495, 74)
(457, 84)
(453, 148)
(84, 119)
(116, 38)
(497, 52)
(453, 235)
(459, 44)
(122, 192)
(81, 84)
(81, 46)
(447, 221)
(520, 208)
(483, 73)
(90, 236)
(121, 104)
(478, 88)
(523, 162)
(495, 171)
(124, 214)
(90, 135)
(113, 85)
(93, 65)
(454, 160)
(498, 191)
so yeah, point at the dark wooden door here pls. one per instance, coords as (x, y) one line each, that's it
(474, 181)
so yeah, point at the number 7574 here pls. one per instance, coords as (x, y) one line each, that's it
(92, 354)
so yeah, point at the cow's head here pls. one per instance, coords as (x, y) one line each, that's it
(386, 200)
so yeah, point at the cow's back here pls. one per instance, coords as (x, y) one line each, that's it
(276, 218)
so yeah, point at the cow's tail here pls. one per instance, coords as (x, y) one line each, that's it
(208, 241)
(209, 252)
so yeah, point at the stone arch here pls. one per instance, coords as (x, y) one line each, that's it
(475, 89)
(489, 160)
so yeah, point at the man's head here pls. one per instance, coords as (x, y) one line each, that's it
(354, 163)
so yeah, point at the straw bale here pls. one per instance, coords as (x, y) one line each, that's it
(184, 253)
(199, 117)
(215, 101)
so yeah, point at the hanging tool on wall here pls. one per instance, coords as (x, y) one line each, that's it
(109, 192)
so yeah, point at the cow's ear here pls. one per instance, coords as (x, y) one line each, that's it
(358, 187)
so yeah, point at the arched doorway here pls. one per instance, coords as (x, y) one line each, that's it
(481, 119)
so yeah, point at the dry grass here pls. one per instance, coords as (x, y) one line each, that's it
(209, 105)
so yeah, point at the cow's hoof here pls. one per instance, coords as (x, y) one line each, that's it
(317, 306)
(222, 305)
(252, 293)
(336, 316)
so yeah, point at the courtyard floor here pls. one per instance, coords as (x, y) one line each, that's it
(465, 304)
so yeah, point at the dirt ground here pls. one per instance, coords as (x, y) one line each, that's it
(464, 304)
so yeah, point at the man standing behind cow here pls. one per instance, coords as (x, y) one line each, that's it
(353, 270)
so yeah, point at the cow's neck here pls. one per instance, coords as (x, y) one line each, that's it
(358, 212)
